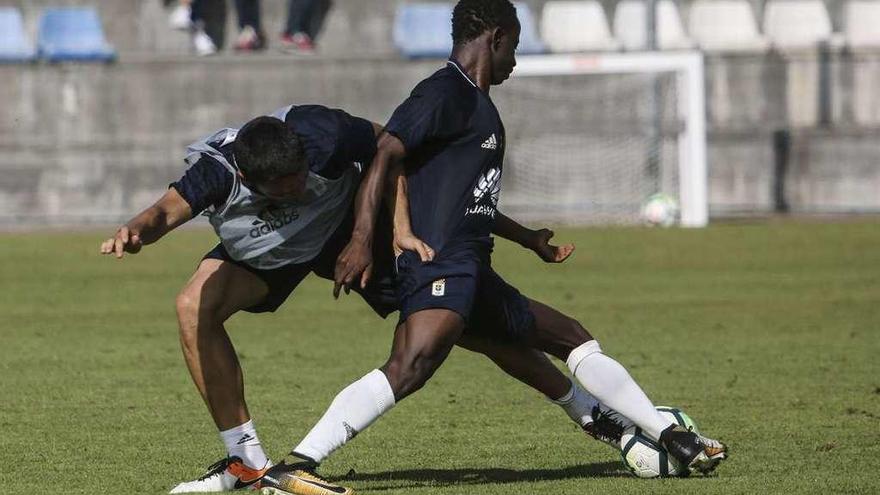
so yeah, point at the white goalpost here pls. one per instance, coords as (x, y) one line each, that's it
(592, 136)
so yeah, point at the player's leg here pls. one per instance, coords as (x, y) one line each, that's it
(216, 291)
(529, 366)
(610, 383)
(533, 368)
(420, 346)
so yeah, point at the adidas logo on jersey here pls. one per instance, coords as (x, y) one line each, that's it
(491, 143)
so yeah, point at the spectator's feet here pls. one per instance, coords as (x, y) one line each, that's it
(181, 17)
(202, 43)
(249, 40)
(297, 43)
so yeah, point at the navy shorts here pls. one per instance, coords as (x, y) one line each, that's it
(468, 285)
(379, 293)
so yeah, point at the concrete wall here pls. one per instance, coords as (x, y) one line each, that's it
(93, 143)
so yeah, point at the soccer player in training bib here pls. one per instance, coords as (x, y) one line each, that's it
(449, 137)
(279, 194)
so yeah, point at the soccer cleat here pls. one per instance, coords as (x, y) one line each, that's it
(607, 426)
(224, 475)
(298, 478)
(696, 452)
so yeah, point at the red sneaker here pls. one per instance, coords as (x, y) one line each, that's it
(297, 42)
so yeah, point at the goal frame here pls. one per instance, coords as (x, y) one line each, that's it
(688, 67)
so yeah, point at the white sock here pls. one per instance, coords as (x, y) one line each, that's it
(611, 384)
(353, 409)
(242, 442)
(578, 404)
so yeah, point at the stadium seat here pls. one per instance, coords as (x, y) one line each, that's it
(423, 30)
(14, 45)
(574, 26)
(529, 41)
(721, 25)
(630, 23)
(72, 33)
(796, 23)
(861, 21)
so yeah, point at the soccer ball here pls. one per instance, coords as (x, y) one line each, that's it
(644, 457)
(660, 209)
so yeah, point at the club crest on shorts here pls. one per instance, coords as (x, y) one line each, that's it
(438, 288)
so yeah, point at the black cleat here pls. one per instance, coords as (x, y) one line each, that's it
(696, 452)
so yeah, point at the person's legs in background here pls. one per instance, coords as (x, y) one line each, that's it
(250, 31)
(208, 25)
(296, 34)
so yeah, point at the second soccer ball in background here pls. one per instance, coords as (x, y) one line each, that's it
(660, 210)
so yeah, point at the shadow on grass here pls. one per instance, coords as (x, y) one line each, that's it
(415, 478)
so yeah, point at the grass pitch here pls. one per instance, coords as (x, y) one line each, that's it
(767, 335)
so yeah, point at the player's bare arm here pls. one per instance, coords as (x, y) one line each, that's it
(398, 205)
(536, 240)
(356, 259)
(170, 212)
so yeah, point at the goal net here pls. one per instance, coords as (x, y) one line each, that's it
(591, 137)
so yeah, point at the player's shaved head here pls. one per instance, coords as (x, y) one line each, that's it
(266, 149)
(471, 18)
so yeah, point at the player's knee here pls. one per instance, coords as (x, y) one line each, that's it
(187, 304)
(566, 338)
(408, 374)
(194, 303)
(193, 308)
(579, 334)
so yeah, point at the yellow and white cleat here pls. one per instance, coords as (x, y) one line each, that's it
(298, 478)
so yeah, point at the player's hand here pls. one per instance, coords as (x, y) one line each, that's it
(540, 244)
(409, 242)
(356, 260)
(123, 242)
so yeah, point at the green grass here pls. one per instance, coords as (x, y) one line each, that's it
(768, 335)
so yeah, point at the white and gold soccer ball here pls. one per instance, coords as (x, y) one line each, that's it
(644, 457)
(660, 209)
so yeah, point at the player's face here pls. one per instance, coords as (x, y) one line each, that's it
(504, 53)
(290, 187)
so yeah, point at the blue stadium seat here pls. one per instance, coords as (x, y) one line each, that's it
(423, 29)
(14, 45)
(73, 33)
(529, 41)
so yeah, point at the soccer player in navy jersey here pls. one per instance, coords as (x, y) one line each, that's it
(449, 137)
(279, 192)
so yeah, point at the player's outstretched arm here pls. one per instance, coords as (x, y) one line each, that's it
(536, 240)
(150, 225)
(356, 259)
(398, 205)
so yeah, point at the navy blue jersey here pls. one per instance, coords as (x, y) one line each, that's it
(454, 141)
(332, 140)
